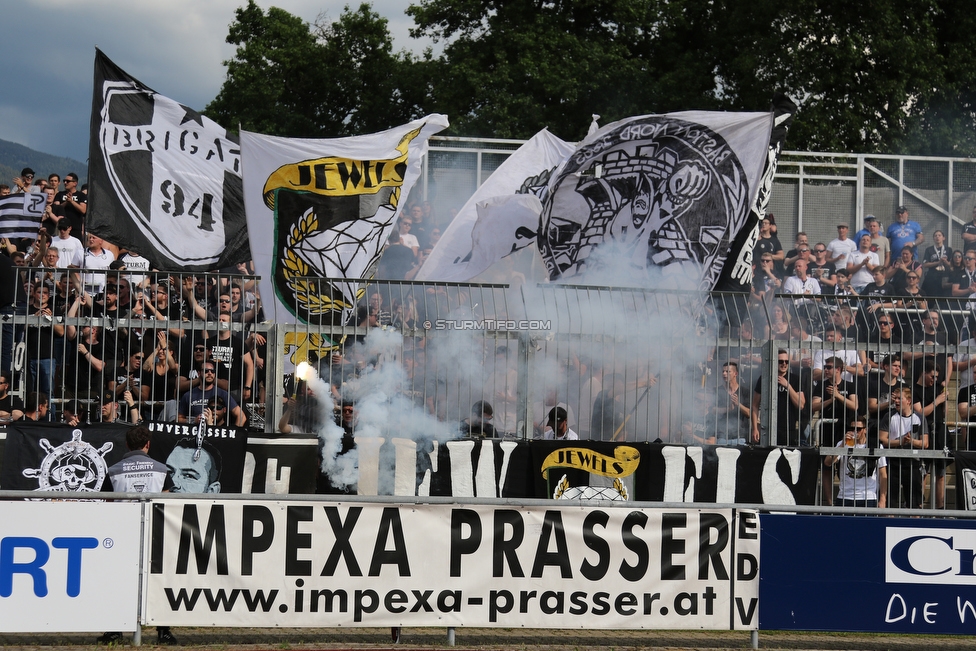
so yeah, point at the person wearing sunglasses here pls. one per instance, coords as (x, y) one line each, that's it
(822, 269)
(863, 480)
(789, 405)
(836, 400)
(194, 401)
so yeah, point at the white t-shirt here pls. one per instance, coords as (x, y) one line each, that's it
(550, 435)
(137, 264)
(70, 251)
(409, 240)
(95, 282)
(863, 276)
(839, 247)
(855, 482)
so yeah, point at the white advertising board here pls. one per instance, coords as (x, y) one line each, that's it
(69, 566)
(231, 563)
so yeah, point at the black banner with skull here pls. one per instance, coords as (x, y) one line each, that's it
(57, 457)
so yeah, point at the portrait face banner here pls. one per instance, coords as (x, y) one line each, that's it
(229, 563)
(164, 180)
(217, 468)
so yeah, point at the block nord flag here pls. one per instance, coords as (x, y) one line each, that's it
(164, 180)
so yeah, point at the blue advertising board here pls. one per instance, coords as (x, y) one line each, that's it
(888, 575)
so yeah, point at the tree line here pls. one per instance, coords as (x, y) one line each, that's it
(880, 76)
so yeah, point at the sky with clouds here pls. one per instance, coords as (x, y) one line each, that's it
(176, 47)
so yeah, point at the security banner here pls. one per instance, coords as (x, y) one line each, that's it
(236, 563)
(873, 574)
(69, 566)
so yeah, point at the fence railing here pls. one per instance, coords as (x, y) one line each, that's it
(625, 364)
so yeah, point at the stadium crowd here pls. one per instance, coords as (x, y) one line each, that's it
(859, 324)
(855, 318)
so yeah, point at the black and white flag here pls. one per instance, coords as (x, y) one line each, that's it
(164, 180)
(654, 198)
(21, 214)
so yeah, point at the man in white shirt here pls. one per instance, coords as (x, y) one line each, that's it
(861, 265)
(96, 258)
(800, 282)
(841, 247)
(70, 249)
(557, 427)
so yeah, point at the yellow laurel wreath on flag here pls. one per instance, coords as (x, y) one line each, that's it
(296, 272)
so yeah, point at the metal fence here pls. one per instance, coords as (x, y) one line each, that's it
(448, 360)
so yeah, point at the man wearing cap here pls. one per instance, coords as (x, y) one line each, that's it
(478, 425)
(557, 426)
(25, 182)
(904, 231)
(70, 249)
(840, 247)
(110, 408)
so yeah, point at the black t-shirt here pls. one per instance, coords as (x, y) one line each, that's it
(964, 279)
(769, 245)
(396, 263)
(937, 419)
(826, 270)
(11, 402)
(229, 355)
(8, 281)
(830, 433)
(880, 390)
(74, 216)
(932, 279)
(787, 415)
(969, 229)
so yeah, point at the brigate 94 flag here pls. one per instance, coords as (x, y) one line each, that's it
(164, 180)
